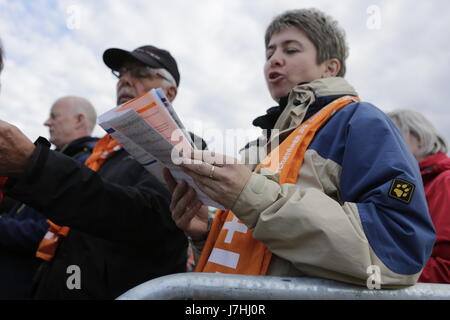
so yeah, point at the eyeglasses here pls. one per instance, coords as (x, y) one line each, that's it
(139, 72)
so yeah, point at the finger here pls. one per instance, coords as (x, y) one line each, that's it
(194, 156)
(205, 169)
(197, 205)
(211, 157)
(183, 201)
(198, 178)
(187, 160)
(182, 206)
(216, 159)
(211, 188)
(188, 215)
(207, 172)
(197, 154)
(178, 193)
(202, 168)
(171, 182)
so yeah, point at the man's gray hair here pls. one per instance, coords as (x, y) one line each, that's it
(412, 122)
(323, 31)
(80, 105)
(84, 106)
(171, 81)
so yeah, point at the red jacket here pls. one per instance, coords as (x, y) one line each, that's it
(435, 170)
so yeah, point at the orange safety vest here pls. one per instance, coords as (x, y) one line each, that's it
(103, 150)
(230, 247)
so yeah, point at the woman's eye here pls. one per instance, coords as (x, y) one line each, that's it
(291, 51)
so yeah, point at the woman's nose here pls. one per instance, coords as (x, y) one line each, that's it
(276, 59)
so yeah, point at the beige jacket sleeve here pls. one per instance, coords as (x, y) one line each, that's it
(312, 231)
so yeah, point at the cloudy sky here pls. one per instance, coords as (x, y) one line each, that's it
(399, 55)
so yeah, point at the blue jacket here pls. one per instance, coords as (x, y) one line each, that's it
(358, 208)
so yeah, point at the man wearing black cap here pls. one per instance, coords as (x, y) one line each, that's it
(141, 69)
(111, 227)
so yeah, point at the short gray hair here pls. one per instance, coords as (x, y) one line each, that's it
(323, 31)
(84, 106)
(171, 81)
(80, 105)
(412, 122)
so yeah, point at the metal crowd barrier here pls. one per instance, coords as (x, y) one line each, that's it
(204, 286)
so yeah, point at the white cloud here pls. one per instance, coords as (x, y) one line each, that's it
(220, 51)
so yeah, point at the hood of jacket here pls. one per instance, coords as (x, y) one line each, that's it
(434, 164)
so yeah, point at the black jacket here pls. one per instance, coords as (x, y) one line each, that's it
(122, 231)
(21, 230)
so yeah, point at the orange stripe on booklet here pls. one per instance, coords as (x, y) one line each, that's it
(230, 247)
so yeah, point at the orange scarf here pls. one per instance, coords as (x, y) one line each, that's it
(103, 150)
(230, 247)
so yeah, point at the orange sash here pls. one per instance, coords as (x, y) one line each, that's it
(230, 247)
(50, 242)
(104, 148)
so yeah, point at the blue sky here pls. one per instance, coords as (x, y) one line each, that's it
(54, 48)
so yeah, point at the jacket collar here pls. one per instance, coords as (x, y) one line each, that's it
(303, 101)
(434, 164)
(316, 94)
(74, 146)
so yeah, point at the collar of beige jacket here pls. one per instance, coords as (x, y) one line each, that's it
(304, 96)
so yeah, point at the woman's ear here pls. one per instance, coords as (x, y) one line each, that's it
(332, 68)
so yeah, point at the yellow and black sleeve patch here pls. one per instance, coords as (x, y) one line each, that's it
(402, 190)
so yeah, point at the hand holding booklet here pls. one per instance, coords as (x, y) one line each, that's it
(149, 129)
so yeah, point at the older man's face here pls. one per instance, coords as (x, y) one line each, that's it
(62, 123)
(130, 86)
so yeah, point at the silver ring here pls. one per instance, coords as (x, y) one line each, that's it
(211, 173)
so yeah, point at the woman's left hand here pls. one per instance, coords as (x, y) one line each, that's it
(222, 178)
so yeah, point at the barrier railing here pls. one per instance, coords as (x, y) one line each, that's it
(204, 286)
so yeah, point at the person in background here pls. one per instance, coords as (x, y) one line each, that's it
(333, 199)
(111, 227)
(430, 149)
(71, 122)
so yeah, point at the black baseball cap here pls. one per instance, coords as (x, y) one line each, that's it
(149, 55)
